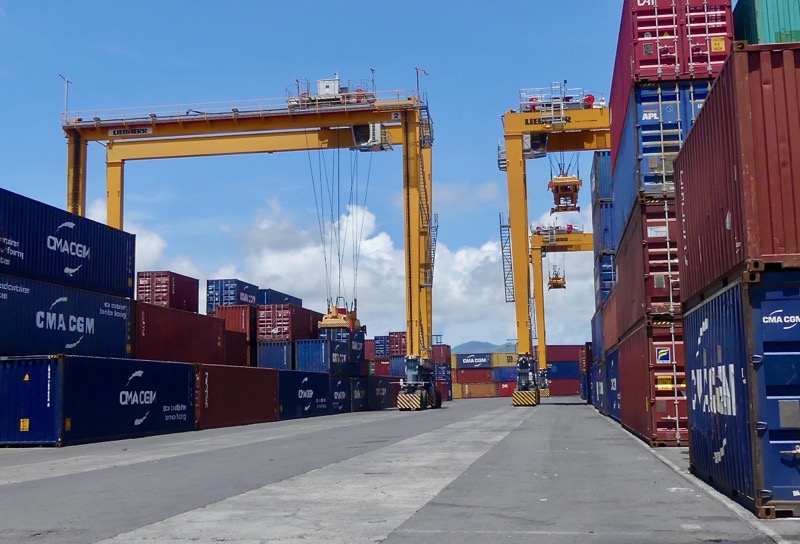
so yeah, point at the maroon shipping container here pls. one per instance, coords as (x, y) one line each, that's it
(227, 395)
(397, 344)
(442, 353)
(166, 334)
(647, 265)
(473, 375)
(442, 387)
(652, 384)
(609, 315)
(242, 319)
(738, 174)
(287, 322)
(369, 349)
(394, 390)
(666, 40)
(506, 389)
(565, 387)
(236, 348)
(382, 367)
(563, 352)
(168, 289)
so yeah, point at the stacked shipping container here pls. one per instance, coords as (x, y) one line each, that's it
(667, 54)
(737, 178)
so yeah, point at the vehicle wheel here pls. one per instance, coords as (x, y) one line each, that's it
(423, 399)
(438, 399)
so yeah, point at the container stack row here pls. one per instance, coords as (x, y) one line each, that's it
(668, 53)
(82, 361)
(486, 375)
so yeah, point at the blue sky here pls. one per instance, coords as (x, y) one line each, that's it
(254, 216)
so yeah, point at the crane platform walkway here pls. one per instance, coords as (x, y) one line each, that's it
(476, 471)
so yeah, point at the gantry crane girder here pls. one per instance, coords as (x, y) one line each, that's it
(555, 242)
(264, 127)
(532, 134)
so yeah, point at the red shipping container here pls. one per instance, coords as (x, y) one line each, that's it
(236, 348)
(647, 265)
(168, 289)
(228, 396)
(442, 353)
(506, 389)
(564, 387)
(369, 349)
(479, 390)
(166, 334)
(563, 352)
(666, 40)
(287, 322)
(240, 319)
(382, 367)
(737, 176)
(609, 312)
(394, 390)
(441, 387)
(652, 384)
(397, 344)
(473, 375)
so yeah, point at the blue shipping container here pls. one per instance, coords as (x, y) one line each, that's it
(397, 366)
(474, 360)
(340, 396)
(275, 355)
(601, 177)
(379, 395)
(597, 335)
(358, 394)
(585, 387)
(381, 346)
(47, 319)
(613, 398)
(271, 296)
(349, 370)
(319, 355)
(442, 371)
(599, 387)
(229, 292)
(605, 278)
(563, 369)
(65, 400)
(658, 120)
(44, 243)
(303, 394)
(602, 228)
(743, 362)
(354, 340)
(504, 374)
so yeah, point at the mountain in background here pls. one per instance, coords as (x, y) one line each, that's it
(482, 347)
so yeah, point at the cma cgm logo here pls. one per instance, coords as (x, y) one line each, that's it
(714, 390)
(339, 395)
(246, 297)
(642, 3)
(359, 394)
(473, 359)
(54, 319)
(60, 245)
(305, 393)
(130, 396)
(779, 318)
(381, 391)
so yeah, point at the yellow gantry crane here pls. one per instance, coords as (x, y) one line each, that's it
(553, 119)
(331, 116)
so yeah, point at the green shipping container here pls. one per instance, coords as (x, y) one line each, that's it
(767, 21)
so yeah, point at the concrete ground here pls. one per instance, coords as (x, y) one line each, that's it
(477, 471)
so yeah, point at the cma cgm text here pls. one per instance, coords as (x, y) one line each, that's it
(63, 246)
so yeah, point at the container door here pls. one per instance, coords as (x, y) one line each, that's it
(707, 33)
(776, 322)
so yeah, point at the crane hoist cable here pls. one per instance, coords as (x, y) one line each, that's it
(340, 229)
